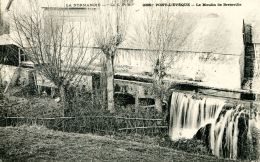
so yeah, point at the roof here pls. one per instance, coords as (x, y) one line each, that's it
(6, 40)
(217, 34)
(13, 39)
(210, 33)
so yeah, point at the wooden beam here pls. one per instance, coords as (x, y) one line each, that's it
(151, 127)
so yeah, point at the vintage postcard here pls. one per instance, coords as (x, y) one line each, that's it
(129, 80)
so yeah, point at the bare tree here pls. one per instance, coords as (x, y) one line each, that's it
(110, 23)
(161, 32)
(55, 45)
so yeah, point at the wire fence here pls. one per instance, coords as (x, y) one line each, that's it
(94, 124)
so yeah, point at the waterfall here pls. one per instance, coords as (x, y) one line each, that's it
(227, 124)
(233, 131)
(188, 114)
(235, 134)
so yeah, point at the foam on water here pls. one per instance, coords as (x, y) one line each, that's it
(188, 114)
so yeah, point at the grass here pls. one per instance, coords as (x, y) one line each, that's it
(30, 107)
(35, 143)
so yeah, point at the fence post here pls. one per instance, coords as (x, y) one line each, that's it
(62, 124)
(136, 101)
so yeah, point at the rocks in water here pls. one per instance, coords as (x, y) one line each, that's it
(225, 128)
(203, 134)
(243, 144)
(231, 135)
(191, 146)
(187, 113)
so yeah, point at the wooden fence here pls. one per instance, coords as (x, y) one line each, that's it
(94, 124)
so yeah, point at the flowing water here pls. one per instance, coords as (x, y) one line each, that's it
(188, 114)
(228, 124)
(231, 127)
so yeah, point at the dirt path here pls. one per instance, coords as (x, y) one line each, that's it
(36, 143)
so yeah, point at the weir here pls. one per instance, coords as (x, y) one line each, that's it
(188, 114)
(229, 130)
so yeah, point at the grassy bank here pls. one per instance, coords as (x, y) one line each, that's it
(36, 143)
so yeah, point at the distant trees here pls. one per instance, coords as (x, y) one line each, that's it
(110, 25)
(58, 48)
(160, 32)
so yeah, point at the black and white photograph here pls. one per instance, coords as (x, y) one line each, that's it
(130, 80)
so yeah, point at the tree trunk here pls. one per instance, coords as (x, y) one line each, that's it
(63, 100)
(110, 84)
(158, 104)
(158, 91)
(103, 84)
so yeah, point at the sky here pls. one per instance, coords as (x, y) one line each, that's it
(3, 4)
(247, 5)
(248, 10)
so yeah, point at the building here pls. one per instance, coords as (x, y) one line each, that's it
(212, 56)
